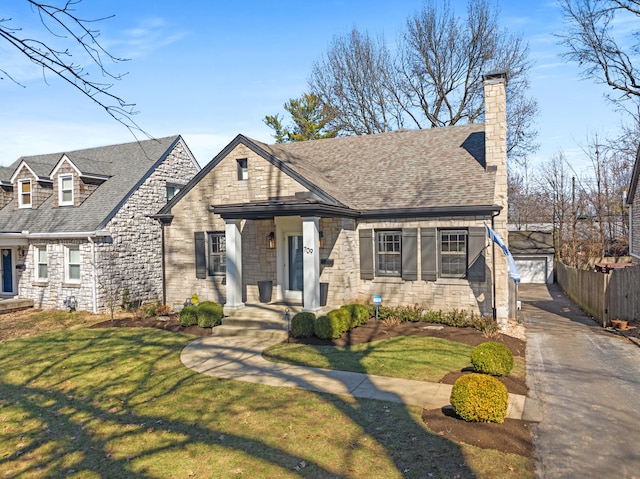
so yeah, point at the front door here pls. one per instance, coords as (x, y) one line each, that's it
(294, 278)
(7, 271)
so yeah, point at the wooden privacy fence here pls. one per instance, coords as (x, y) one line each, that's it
(605, 296)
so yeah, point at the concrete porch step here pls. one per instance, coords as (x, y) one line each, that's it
(8, 305)
(258, 320)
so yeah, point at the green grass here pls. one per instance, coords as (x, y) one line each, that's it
(117, 403)
(408, 357)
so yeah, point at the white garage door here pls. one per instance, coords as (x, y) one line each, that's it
(532, 270)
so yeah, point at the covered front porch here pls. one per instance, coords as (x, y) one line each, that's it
(280, 247)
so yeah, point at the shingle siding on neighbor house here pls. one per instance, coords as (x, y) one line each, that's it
(633, 203)
(122, 246)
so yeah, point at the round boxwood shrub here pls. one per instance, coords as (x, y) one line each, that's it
(188, 316)
(359, 313)
(341, 319)
(209, 314)
(480, 398)
(302, 325)
(492, 358)
(326, 327)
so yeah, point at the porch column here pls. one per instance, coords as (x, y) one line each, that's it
(233, 239)
(311, 261)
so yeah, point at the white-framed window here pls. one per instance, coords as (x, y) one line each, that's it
(65, 190)
(243, 169)
(453, 253)
(389, 253)
(42, 263)
(72, 264)
(217, 253)
(24, 193)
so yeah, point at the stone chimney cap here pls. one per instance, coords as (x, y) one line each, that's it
(495, 77)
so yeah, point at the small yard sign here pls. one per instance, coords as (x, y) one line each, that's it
(377, 300)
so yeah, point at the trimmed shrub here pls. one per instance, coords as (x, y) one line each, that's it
(209, 314)
(480, 398)
(188, 316)
(302, 325)
(358, 313)
(326, 327)
(341, 318)
(492, 358)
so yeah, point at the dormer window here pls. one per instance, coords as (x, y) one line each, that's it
(65, 190)
(24, 193)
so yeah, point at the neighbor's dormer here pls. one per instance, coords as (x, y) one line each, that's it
(30, 190)
(71, 186)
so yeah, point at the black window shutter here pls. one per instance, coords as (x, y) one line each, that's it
(366, 254)
(476, 270)
(410, 254)
(201, 259)
(429, 244)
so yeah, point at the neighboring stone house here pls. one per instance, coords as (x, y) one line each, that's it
(78, 224)
(633, 202)
(401, 214)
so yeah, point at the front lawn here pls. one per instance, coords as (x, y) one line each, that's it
(118, 403)
(408, 357)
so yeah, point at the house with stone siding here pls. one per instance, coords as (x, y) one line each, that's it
(76, 227)
(321, 223)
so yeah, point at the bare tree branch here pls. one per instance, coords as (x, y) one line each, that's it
(606, 54)
(65, 26)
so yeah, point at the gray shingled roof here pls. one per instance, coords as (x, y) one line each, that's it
(439, 167)
(126, 165)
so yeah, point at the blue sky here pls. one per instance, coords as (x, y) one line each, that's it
(209, 70)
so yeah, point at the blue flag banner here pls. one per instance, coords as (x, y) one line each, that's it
(495, 237)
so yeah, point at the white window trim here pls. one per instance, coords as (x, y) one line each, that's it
(36, 271)
(61, 202)
(67, 264)
(21, 204)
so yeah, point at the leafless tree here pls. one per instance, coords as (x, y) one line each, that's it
(555, 179)
(354, 81)
(67, 36)
(434, 80)
(602, 38)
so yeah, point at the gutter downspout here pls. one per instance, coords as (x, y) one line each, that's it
(164, 278)
(94, 299)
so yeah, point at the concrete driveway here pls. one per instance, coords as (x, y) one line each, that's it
(587, 382)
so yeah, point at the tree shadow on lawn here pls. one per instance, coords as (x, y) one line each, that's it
(104, 401)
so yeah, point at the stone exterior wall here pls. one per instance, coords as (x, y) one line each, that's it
(134, 260)
(442, 294)
(191, 214)
(50, 294)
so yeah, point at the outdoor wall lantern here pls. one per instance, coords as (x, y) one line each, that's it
(320, 239)
(271, 240)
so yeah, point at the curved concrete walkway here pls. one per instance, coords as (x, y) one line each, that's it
(240, 358)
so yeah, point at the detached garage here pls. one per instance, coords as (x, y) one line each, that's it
(533, 253)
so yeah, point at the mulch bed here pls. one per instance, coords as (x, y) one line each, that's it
(514, 436)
